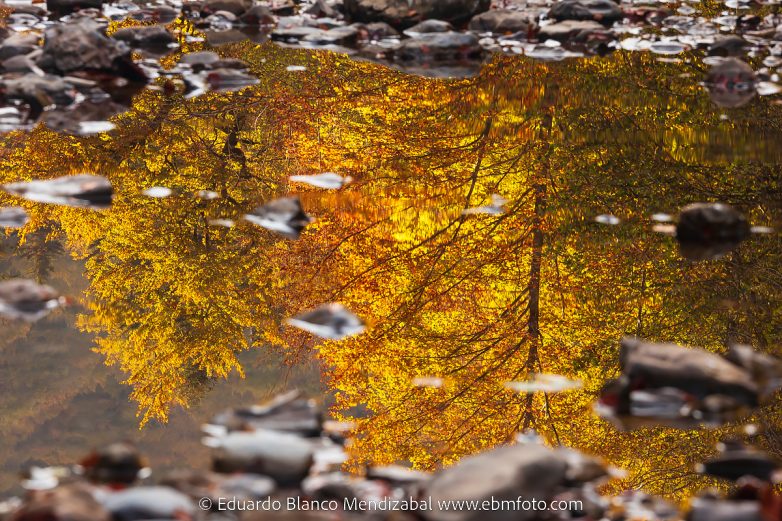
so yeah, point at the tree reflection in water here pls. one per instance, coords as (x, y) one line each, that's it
(457, 303)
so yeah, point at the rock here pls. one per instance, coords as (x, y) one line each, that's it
(62, 7)
(283, 215)
(73, 502)
(604, 11)
(331, 320)
(693, 370)
(710, 230)
(217, 38)
(283, 457)
(376, 31)
(18, 64)
(667, 384)
(118, 463)
(731, 83)
(429, 26)
(405, 13)
(145, 36)
(31, 9)
(227, 80)
(283, 7)
(712, 509)
(85, 118)
(339, 35)
(159, 14)
(765, 369)
(398, 475)
(321, 9)
(647, 14)
(570, 30)
(501, 21)
(236, 7)
(286, 413)
(23, 19)
(141, 503)
(13, 217)
(81, 190)
(257, 15)
(219, 20)
(37, 91)
(17, 44)
(506, 473)
(295, 34)
(81, 45)
(199, 60)
(728, 46)
(739, 461)
(26, 299)
(440, 47)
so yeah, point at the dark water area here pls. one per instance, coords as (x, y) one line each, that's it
(513, 219)
(59, 401)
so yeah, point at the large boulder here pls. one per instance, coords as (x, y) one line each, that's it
(286, 458)
(145, 36)
(529, 471)
(501, 21)
(603, 11)
(450, 46)
(570, 30)
(405, 13)
(82, 45)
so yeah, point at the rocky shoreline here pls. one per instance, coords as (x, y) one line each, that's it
(74, 64)
(281, 460)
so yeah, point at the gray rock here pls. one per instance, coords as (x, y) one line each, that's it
(37, 91)
(283, 8)
(402, 13)
(376, 31)
(339, 35)
(17, 44)
(216, 38)
(429, 26)
(604, 11)
(295, 34)
(283, 457)
(137, 503)
(696, 371)
(731, 83)
(236, 7)
(145, 36)
(502, 21)
(569, 30)
(439, 47)
(321, 9)
(728, 46)
(257, 15)
(37, 11)
(708, 509)
(505, 473)
(200, 59)
(286, 413)
(19, 63)
(81, 45)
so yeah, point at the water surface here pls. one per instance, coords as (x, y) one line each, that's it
(172, 310)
